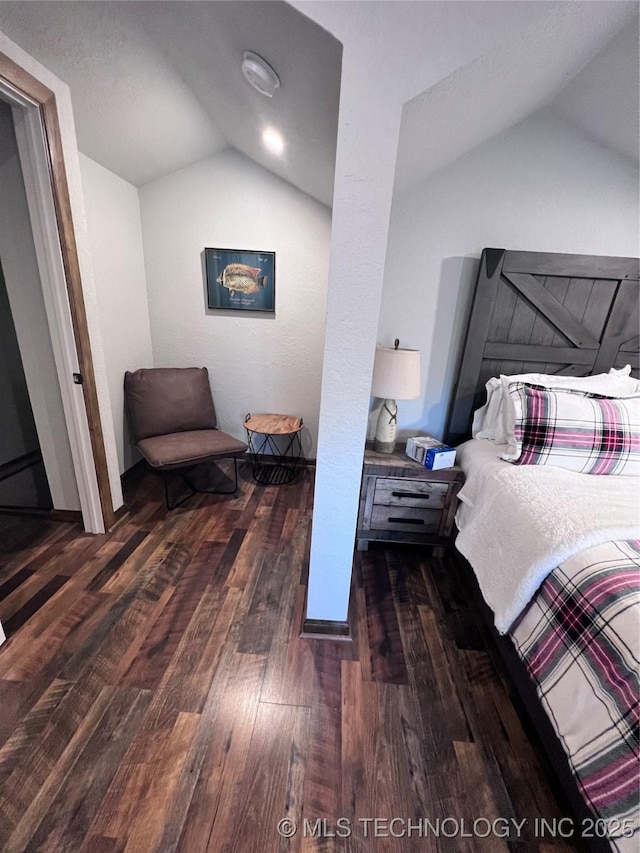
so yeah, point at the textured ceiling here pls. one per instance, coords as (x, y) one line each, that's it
(522, 74)
(603, 100)
(157, 85)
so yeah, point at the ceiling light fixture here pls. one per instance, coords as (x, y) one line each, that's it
(273, 140)
(260, 74)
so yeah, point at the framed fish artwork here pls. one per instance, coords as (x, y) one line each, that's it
(241, 280)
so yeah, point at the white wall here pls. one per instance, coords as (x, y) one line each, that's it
(257, 362)
(539, 186)
(115, 236)
(24, 289)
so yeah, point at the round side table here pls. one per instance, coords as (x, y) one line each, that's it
(274, 462)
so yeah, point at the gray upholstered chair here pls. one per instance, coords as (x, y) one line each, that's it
(174, 426)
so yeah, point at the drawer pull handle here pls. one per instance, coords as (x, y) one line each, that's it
(410, 495)
(407, 520)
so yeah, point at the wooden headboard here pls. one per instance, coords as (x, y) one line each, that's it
(545, 313)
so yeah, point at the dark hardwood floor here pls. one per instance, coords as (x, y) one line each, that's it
(155, 694)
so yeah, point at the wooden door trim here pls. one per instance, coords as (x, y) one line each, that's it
(44, 99)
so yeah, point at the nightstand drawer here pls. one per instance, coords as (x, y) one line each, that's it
(406, 518)
(410, 493)
(401, 501)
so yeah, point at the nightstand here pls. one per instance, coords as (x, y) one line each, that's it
(401, 501)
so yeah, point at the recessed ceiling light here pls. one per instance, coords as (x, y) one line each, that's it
(273, 140)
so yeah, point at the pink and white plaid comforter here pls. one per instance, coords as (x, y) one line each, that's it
(580, 639)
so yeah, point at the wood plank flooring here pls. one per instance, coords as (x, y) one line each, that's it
(155, 694)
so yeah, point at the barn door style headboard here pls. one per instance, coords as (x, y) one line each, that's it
(545, 313)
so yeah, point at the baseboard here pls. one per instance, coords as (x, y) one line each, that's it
(30, 512)
(325, 629)
(68, 516)
(21, 463)
(131, 474)
(73, 516)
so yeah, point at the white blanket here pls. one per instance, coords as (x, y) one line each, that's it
(517, 523)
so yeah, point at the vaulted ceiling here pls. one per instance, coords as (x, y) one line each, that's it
(603, 100)
(157, 86)
(581, 60)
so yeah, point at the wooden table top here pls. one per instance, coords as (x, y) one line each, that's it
(273, 424)
(375, 462)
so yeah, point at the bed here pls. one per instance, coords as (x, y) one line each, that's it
(555, 550)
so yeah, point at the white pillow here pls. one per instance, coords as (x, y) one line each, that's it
(496, 419)
(487, 420)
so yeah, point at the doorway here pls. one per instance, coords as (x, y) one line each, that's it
(33, 433)
(39, 136)
(23, 478)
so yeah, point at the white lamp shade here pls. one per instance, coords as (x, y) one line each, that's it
(396, 374)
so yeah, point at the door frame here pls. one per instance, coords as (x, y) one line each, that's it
(40, 145)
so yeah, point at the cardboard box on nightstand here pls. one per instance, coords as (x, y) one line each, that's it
(430, 452)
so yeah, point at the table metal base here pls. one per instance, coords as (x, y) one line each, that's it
(270, 464)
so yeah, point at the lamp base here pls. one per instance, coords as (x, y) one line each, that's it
(385, 437)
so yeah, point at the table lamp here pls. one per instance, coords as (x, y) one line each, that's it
(396, 376)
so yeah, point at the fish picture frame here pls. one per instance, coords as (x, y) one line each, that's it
(241, 280)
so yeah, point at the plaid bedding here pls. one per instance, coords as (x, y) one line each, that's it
(580, 639)
(578, 430)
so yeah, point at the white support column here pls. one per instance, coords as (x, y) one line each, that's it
(367, 143)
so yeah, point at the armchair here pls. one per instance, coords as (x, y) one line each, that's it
(174, 425)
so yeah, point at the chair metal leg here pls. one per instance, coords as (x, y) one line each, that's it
(194, 488)
(235, 481)
(175, 504)
(214, 491)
